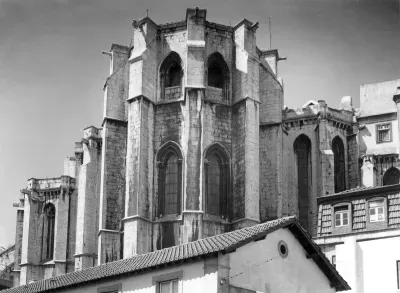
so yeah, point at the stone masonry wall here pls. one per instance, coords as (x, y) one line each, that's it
(352, 163)
(270, 166)
(114, 151)
(271, 98)
(290, 192)
(238, 159)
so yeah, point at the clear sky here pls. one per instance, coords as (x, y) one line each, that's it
(52, 71)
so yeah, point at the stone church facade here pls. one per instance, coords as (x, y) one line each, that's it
(195, 142)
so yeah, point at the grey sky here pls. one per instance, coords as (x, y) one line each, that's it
(52, 71)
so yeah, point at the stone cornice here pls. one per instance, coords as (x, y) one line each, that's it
(115, 121)
(378, 118)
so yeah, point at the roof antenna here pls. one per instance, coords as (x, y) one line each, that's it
(270, 33)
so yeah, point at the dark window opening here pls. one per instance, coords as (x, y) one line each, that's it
(171, 186)
(392, 176)
(169, 180)
(216, 170)
(48, 232)
(302, 150)
(214, 185)
(215, 76)
(339, 164)
(173, 75)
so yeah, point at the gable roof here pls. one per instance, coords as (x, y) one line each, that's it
(225, 243)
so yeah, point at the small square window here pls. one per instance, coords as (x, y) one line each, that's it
(384, 132)
(168, 283)
(341, 216)
(170, 286)
(376, 211)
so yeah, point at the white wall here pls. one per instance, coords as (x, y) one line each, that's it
(377, 98)
(193, 281)
(369, 265)
(379, 264)
(259, 266)
(368, 145)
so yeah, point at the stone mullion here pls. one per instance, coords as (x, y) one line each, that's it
(162, 85)
(161, 188)
(223, 207)
(179, 200)
(206, 163)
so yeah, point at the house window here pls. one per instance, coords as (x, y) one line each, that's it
(376, 211)
(170, 286)
(341, 216)
(168, 283)
(383, 132)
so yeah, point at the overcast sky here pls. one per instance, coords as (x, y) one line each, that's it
(52, 71)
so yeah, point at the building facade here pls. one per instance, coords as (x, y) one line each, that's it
(359, 229)
(193, 143)
(280, 257)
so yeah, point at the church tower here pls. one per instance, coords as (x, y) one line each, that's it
(185, 99)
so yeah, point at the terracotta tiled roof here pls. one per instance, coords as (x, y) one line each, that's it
(226, 243)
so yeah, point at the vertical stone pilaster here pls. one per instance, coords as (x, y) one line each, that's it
(353, 159)
(88, 200)
(112, 190)
(31, 249)
(326, 165)
(117, 84)
(18, 244)
(61, 232)
(139, 184)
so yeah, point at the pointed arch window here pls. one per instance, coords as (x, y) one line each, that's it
(169, 180)
(302, 151)
(216, 170)
(171, 75)
(392, 176)
(217, 74)
(339, 164)
(49, 213)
